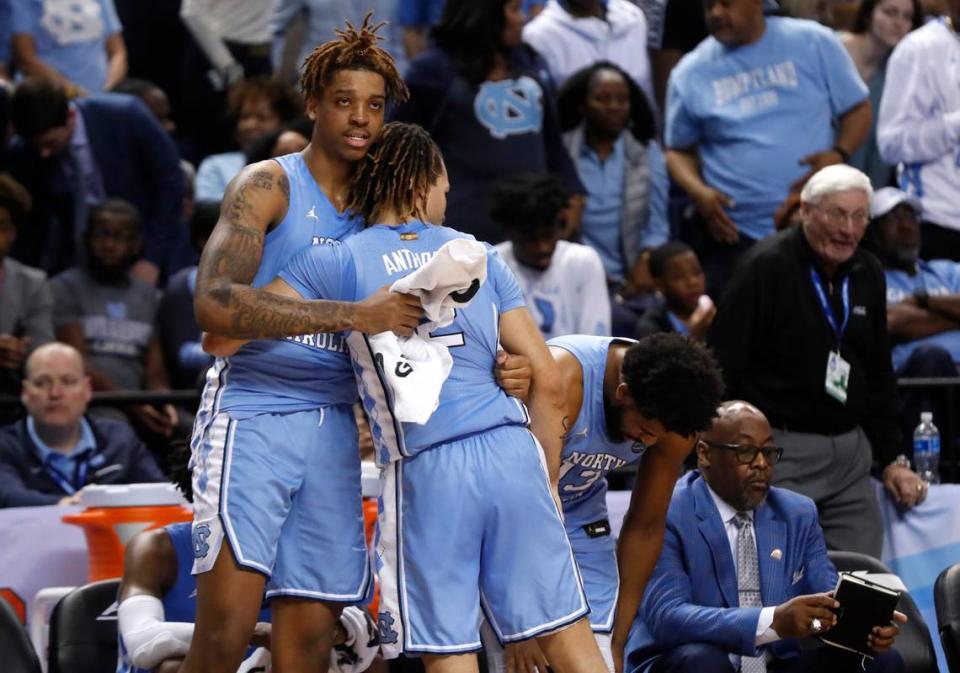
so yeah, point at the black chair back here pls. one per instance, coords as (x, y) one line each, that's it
(914, 642)
(83, 630)
(15, 646)
(946, 598)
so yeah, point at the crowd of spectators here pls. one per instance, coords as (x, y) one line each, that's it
(625, 155)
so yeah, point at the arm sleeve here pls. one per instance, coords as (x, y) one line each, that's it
(13, 490)
(912, 126)
(844, 85)
(161, 162)
(657, 231)
(147, 638)
(594, 309)
(765, 632)
(505, 283)
(673, 618)
(319, 273)
(682, 129)
(283, 15)
(38, 321)
(24, 18)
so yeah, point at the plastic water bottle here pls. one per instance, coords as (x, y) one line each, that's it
(926, 449)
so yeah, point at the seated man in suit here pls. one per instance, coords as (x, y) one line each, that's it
(744, 571)
(46, 458)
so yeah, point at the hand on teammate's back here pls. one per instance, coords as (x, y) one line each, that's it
(386, 311)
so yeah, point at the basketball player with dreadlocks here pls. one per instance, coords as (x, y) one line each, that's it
(275, 465)
(455, 487)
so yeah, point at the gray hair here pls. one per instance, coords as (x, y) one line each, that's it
(833, 179)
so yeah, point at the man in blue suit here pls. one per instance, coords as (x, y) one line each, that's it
(744, 569)
(75, 154)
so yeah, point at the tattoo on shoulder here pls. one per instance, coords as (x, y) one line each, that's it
(262, 179)
(284, 184)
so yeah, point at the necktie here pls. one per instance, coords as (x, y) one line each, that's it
(748, 582)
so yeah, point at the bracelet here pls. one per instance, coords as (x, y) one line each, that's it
(844, 155)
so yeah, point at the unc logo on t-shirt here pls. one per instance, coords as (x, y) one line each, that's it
(510, 107)
(70, 21)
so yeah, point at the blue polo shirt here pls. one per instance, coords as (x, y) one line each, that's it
(937, 277)
(65, 465)
(601, 216)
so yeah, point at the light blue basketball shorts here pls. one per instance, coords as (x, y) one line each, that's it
(284, 491)
(470, 529)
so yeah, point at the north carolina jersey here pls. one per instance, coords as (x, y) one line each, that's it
(588, 452)
(470, 399)
(570, 297)
(296, 373)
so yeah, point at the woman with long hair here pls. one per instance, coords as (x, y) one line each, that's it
(486, 99)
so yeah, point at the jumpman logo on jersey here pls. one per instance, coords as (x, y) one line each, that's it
(312, 213)
(510, 107)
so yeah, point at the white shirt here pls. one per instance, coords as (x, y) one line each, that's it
(570, 44)
(764, 632)
(919, 120)
(570, 297)
(213, 21)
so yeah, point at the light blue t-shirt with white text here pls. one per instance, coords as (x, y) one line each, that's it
(756, 110)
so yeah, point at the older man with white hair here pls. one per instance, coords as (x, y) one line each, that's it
(802, 333)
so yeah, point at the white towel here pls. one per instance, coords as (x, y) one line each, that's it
(416, 367)
(361, 646)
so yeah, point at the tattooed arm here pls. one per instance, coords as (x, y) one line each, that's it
(520, 335)
(225, 304)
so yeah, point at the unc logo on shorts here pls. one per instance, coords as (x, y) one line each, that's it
(385, 627)
(510, 107)
(200, 535)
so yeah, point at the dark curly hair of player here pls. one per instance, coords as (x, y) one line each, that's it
(675, 380)
(527, 201)
(396, 174)
(178, 467)
(355, 49)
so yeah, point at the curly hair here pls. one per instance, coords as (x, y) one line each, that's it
(663, 254)
(178, 467)
(396, 174)
(283, 100)
(470, 30)
(354, 49)
(573, 98)
(674, 380)
(527, 201)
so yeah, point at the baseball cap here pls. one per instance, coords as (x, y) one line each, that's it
(886, 199)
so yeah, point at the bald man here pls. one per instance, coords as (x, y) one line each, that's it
(744, 571)
(48, 457)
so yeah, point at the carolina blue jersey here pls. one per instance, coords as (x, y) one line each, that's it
(588, 452)
(180, 601)
(470, 400)
(297, 373)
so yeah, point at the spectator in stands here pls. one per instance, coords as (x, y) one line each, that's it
(109, 316)
(483, 96)
(878, 28)
(231, 42)
(610, 134)
(679, 279)
(26, 306)
(744, 573)
(153, 97)
(735, 106)
(923, 304)
(77, 44)
(177, 328)
(5, 33)
(802, 333)
(258, 106)
(321, 16)
(49, 456)
(563, 283)
(574, 34)
(919, 128)
(287, 140)
(73, 155)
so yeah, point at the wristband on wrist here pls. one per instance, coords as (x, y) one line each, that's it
(844, 155)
